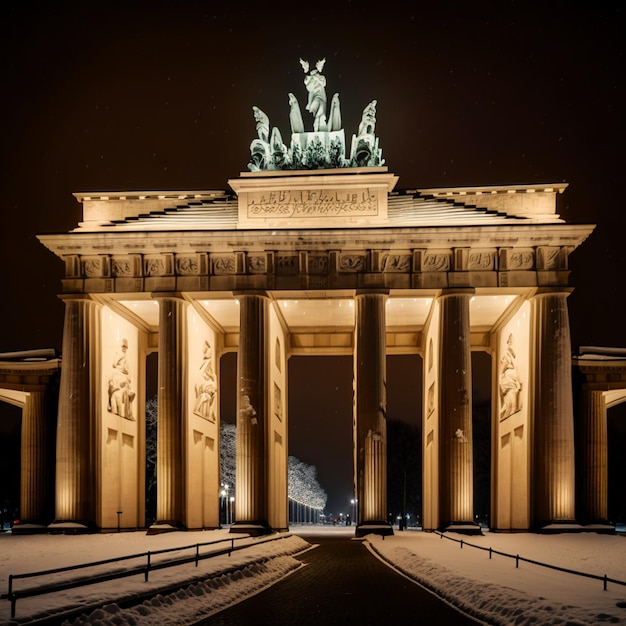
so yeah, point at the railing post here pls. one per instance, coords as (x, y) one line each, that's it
(147, 568)
(197, 553)
(605, 581)
(490, 552)
(461, 544)
(517, 560)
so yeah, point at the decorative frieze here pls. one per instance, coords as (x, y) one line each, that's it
(224, 264)
(421, 268)
(517, 259)
(96, 266)
(125, 266)
(550, 258)
(352, 262)
(158, 264)
(317, 264)
(256, 263)
(432, 260)
(286, 263)
(396, 262)
(190, 264)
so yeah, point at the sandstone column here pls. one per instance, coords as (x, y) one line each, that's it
(553, 464)
(370, 424)
(251, 475)
(75, 472)
(592, 460)
(456, 481)
(171, 375)
(36, 455)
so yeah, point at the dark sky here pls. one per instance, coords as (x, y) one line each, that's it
(159, 95)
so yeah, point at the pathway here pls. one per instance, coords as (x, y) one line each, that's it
(341, 583)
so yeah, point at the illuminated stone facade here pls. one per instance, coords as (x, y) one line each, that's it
(314, 262)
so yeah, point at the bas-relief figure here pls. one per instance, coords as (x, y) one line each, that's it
(120, 393)
(509, 382)
(206, 386)
(324, 147)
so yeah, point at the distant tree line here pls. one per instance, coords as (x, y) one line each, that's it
(303, 486)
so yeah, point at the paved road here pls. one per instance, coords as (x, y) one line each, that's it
(341, 584)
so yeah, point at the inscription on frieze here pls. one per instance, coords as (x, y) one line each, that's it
(312, 203)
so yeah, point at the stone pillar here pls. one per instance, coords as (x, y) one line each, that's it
(36, 456)
(75, 449)
(553, 464)
(251, 475)
(456, 481)
(370, 424)
(170, 423)
(592, 459)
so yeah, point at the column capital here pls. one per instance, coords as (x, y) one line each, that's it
(457, 291)
(553, 291)
(261, 293)
(69, 297)
(371, 292)
(167, 295)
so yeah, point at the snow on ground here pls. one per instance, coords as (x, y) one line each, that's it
(499, 593)
(492, 589)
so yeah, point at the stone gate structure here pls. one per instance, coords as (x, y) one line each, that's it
(313, 251)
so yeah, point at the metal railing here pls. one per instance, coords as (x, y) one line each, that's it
(148, 565)
(605, 579)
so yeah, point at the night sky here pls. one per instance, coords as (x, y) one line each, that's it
(159, 96)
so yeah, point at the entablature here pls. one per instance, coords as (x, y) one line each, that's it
(402, 258)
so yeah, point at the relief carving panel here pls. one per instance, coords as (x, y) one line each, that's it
(352, 262)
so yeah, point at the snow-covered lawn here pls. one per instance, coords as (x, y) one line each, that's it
(499, 593)
(493, 589)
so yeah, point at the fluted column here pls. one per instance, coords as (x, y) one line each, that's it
(171, 374)
(75, 474)
(251, 475)
(592, 459)
(36, 456)
(370, 430)
(456, 482)
(553, 464)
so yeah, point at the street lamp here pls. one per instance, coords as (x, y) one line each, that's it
(231, 511)
(224, 502)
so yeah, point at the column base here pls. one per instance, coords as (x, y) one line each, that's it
(373, 527)
(71, 528)
(29, 528)
(254, 529)
(553, 528)
(463, 528)
(165, 527)
(600, 527)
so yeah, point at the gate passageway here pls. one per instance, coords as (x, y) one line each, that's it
(343, 583)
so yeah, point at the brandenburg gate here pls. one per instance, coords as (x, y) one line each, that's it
(313, 251)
